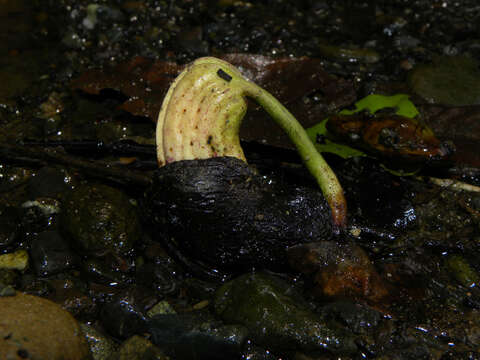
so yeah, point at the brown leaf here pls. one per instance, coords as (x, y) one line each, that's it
(145, 83)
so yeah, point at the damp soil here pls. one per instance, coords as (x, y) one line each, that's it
(400, 283)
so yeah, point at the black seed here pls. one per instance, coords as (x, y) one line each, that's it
(222, 74)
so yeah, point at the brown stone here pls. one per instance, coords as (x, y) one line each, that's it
(35, 328)
(340, 270)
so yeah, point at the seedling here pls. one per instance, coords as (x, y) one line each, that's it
(201, 116)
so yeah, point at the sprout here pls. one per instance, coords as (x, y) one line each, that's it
(201, 116)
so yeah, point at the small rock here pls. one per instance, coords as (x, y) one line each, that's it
(462, 271)
(360, 319)
(38, 215)
(8, 226)
(125, 315)
(197, 335)
(6, 290)
(449, 80)
(101, 346)
(342, 270)
(139, 348)
(103, 271)
(47, 182)
(36, 328)
(160, 308)
(8, 276)
(277, 318)
(51, 254)
(162, 276)
(17, 260)
(100, 219)
(72, 295)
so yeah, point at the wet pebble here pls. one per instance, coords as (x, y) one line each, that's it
(36, 216)
(47, 182)
(461, 270)
(33, 285)
(340, 270)
(139, 348)
(8, 226)
(17, 260)
(160, 308)
(51, 254)
(100, 219)
(6, 290)
(126, 314)
(277, 317)
(102, 347)
(359, 318)
(197, 335)
(8, 276)
(71, 293)
(36, 328)
(449, 80)
(103, 271)
(160, 277)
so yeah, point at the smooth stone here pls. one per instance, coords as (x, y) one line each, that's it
(462, 271)
(17, 260)
(126, 314)
(8, 226)
(98, 219)
(279, 319)
(72, 295)
(449, 80)
(35, 328)
(8, 276)
(139, 348)
(102, 347)
(7, 290)
(161, 308)
(51, 254)
(47, 182)
(197, 335)
(342, 270)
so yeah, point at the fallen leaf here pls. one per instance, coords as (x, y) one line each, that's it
(145, 83)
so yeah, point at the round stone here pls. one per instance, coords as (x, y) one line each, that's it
(35, 328)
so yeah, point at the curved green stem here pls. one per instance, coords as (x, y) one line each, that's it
(313, 160)
(201, 116)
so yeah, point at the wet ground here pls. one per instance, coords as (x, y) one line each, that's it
(402, 285)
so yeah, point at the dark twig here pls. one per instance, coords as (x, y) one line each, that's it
(41, 156)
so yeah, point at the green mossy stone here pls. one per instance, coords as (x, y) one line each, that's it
(462, 271)
(17, 260)
(99, 218)
(277, 318)
(139, 348)
(448, 81)
(101, 346)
